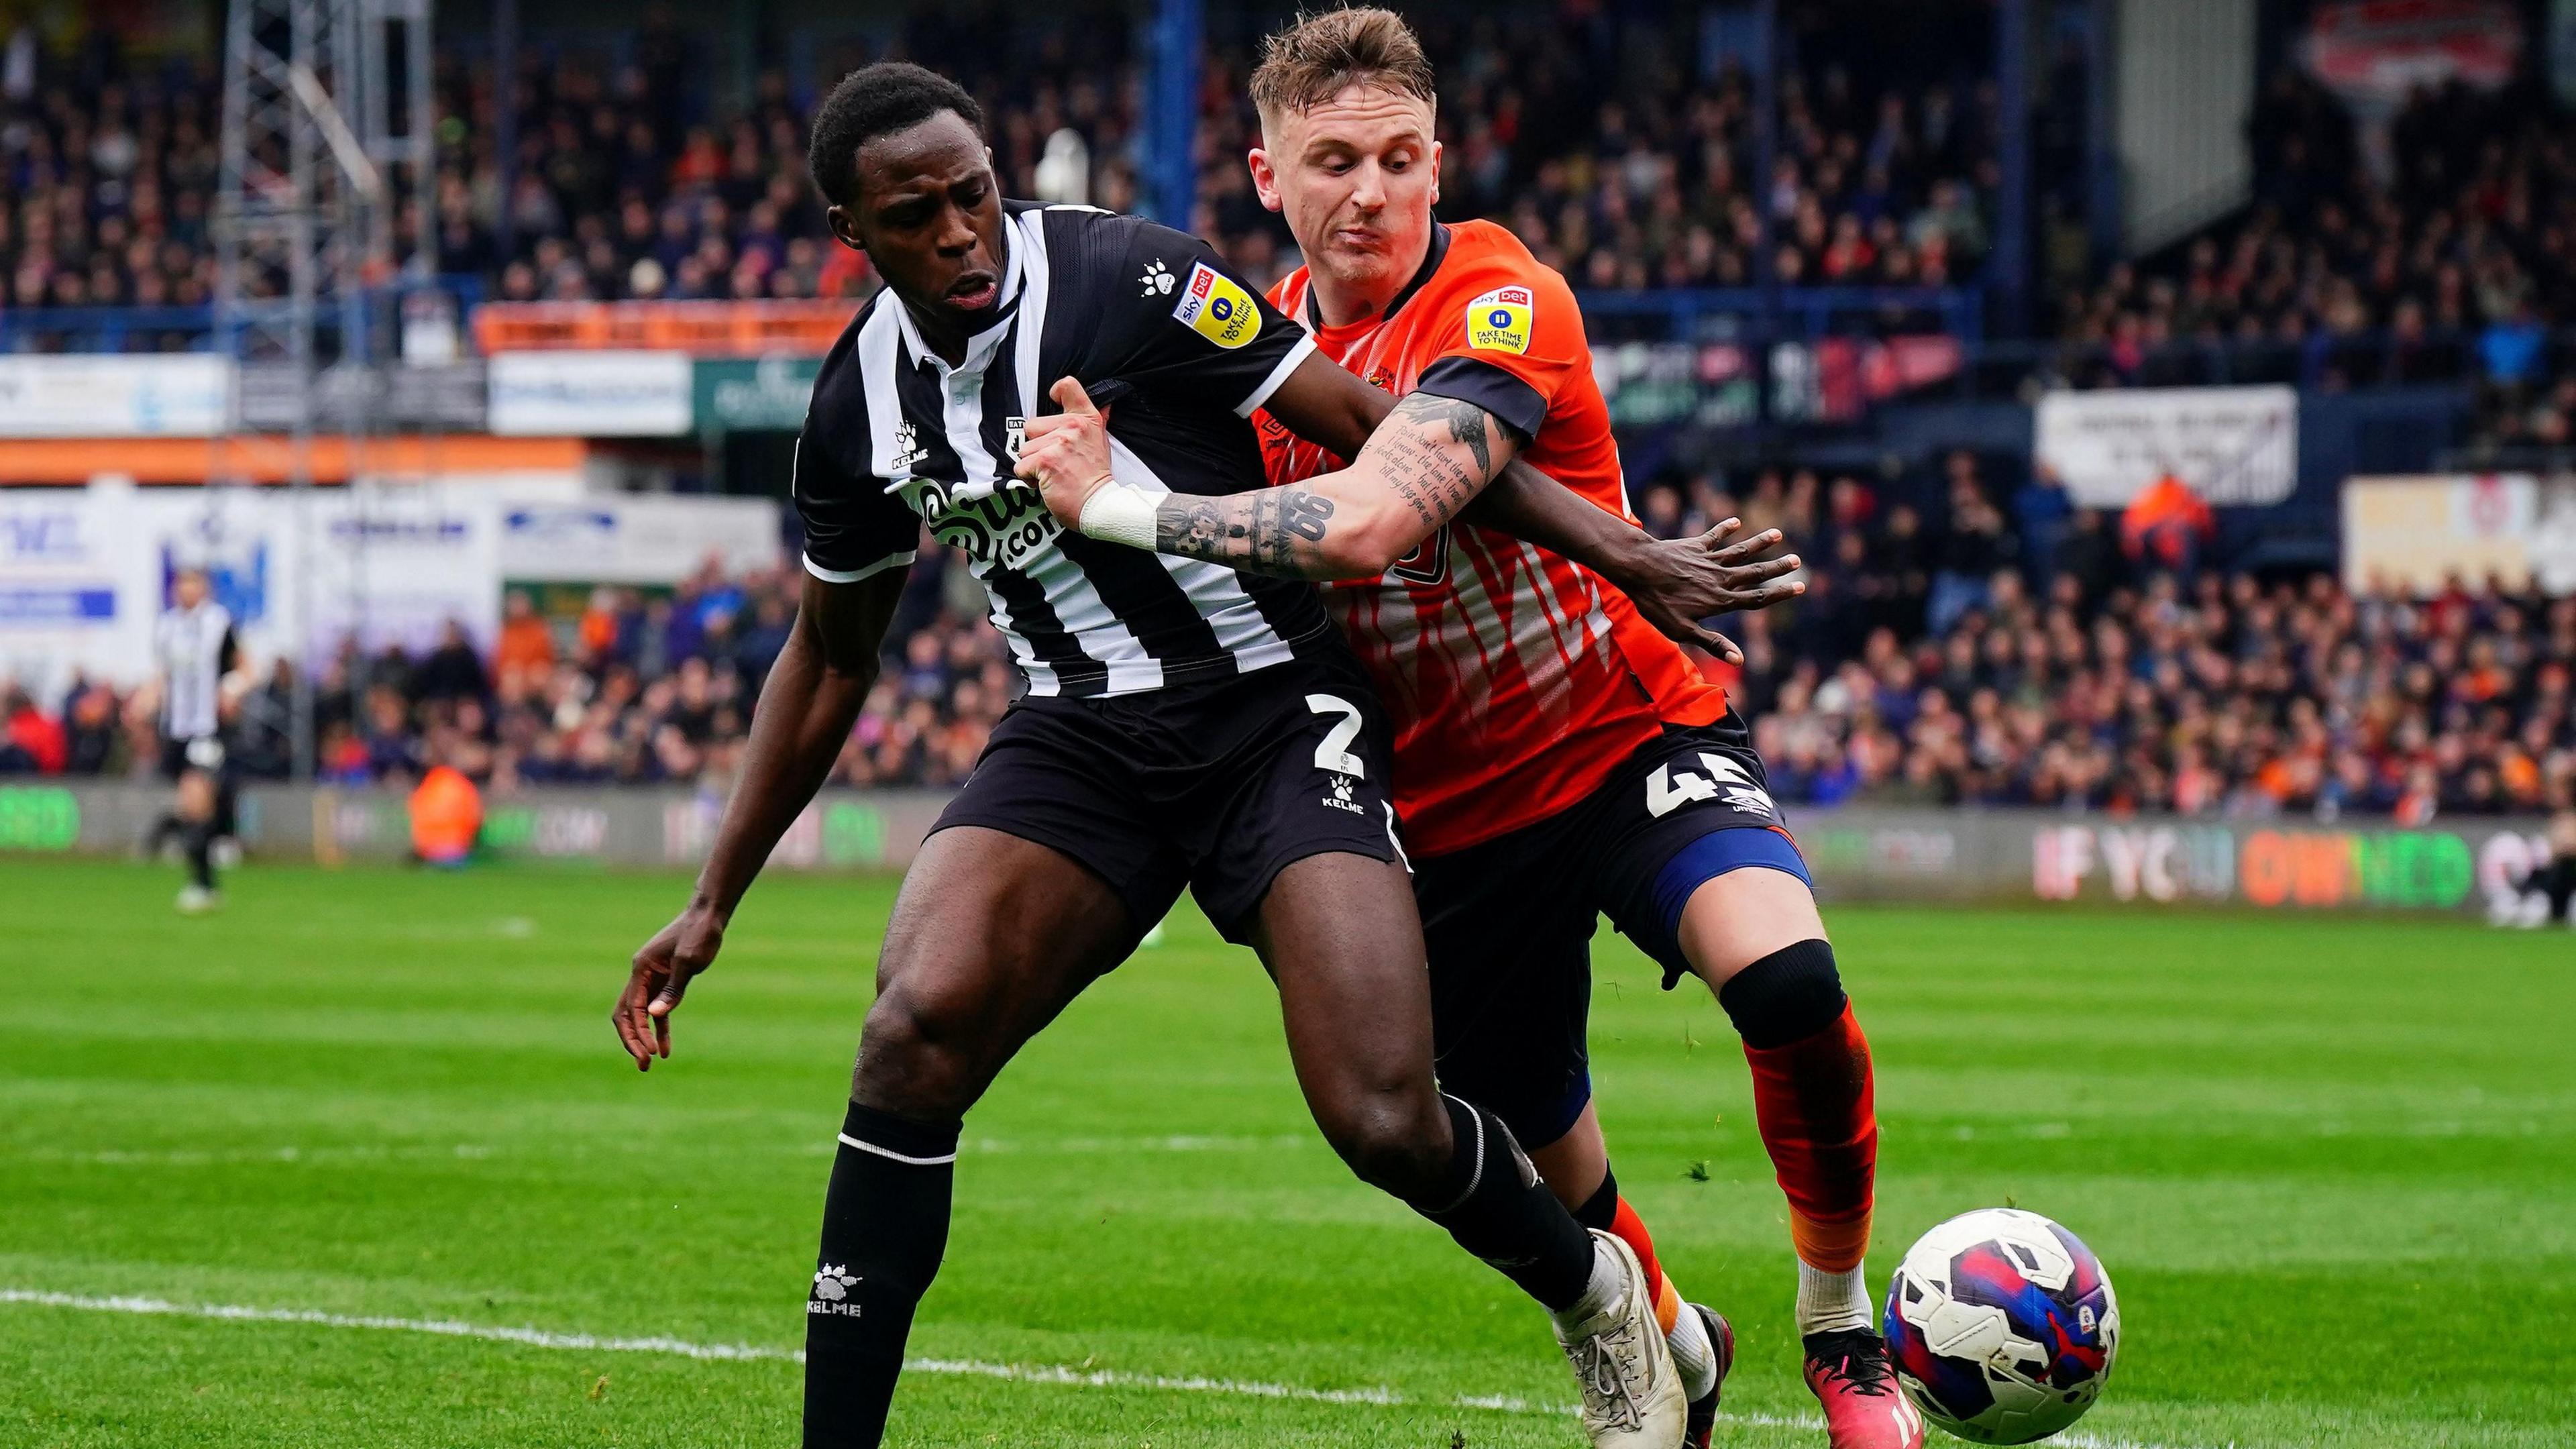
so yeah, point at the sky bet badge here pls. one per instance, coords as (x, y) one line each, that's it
(1499, 321)
(1217, 309)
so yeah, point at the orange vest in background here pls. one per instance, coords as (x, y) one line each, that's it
(2161, 516)
(446, 814)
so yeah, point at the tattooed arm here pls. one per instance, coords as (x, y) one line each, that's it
(1428, 460)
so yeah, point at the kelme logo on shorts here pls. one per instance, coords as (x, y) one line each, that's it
(1499, 321)
(1217, 309)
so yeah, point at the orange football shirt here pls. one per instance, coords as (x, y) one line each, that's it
(1518, 680)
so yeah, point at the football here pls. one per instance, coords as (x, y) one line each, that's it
(2003, 1326)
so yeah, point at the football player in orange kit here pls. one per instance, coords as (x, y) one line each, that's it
(1556, 757)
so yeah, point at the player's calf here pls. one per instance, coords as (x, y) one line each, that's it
(1813, 1101)
(992, 936)
(885, 1227)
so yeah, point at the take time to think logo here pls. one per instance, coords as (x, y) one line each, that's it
(1499, 321)
(1216, 308)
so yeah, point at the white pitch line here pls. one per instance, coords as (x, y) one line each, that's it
(443, 1327)
(969, 1368)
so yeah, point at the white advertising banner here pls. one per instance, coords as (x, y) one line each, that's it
(77, 585)
(393, 565)
(85, 571)
(590, 394)
(2232, 445)
(176, 395)
(2421, 535)
(635, 539)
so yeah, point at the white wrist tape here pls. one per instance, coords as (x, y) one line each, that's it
(1119, 513)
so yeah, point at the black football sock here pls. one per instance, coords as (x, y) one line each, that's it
(1492, 1201)
(199, 841)
(885, 1225)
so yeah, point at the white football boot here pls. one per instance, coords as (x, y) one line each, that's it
(1632, 1393)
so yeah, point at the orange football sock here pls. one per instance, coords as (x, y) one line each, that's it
(1629, 1228)
(1813, 1101)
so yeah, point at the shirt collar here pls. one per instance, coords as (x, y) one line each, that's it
(980, 347)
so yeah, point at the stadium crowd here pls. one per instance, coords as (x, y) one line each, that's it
(1591, 137)
(2022, 651)
(2453, 260)
(1593, 140)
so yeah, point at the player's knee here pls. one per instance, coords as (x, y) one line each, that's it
(1787, 996)
(923, 1049)
(1393, 1140)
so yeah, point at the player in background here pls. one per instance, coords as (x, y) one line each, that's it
(1556, 758)
(194, 649)
(1183, 725)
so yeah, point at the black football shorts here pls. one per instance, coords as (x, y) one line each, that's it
(180, 754)
(1509, 921)
(1217, 785)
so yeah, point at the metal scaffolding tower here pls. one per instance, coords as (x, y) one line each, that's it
(324, 209)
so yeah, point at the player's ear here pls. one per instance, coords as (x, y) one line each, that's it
(1265, 178)
(1435, 173)
(845, 227)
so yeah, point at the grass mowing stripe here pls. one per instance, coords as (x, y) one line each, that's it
(973, 1368)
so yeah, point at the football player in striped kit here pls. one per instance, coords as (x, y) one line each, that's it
(194, 649)
(1183, 725)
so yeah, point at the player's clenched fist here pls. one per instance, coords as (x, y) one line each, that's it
(1067, 454)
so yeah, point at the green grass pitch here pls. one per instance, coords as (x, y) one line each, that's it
(2330, 1163)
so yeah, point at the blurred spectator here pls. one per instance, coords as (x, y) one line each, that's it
(31, 742)
(526, 649)
(453, 671)
(2167, 525)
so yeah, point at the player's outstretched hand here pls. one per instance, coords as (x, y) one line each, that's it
(1686, 580)
(1067, 454)
(677, 952)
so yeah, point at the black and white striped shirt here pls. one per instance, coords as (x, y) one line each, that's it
(1158, 331)
(192, 647)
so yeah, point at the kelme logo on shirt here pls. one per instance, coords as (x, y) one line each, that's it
(1217, 309)
(1499, 321)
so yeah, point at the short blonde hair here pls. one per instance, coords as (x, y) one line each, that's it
(1319, 55)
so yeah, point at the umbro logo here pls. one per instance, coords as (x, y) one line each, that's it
(1158, 279)
(832, 1287)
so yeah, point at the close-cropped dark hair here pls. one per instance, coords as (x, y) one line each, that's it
(872, 101)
